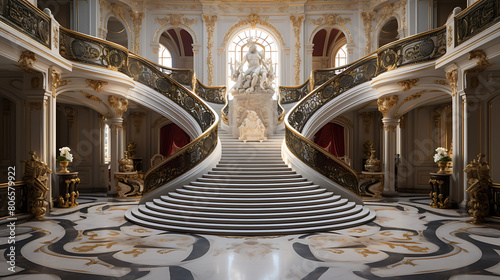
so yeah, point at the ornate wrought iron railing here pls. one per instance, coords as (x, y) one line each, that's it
(475, 19)
(320, 76)
(86, 49)
(215, 95)
(416, 49)
(28, 19)
(293, 94)
(20, 189)
(184, 77)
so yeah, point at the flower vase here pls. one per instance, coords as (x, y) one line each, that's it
(442, 167)
(64, 165)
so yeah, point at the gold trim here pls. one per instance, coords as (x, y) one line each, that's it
(210, 26)
(16, 183)
(410, 38)
(253, 20)
(114, 45)
(297, 26)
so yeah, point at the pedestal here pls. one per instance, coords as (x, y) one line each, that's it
(262, 103)
(68, 190)
(129, 184)
(373, 177)
(440, 193)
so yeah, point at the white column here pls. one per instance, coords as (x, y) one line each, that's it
(308, 60)
(117, 148)
(51, 152)
(458, 180)
(197, 65)
(390, 145)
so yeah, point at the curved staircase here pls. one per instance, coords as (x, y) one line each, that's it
(250, 192)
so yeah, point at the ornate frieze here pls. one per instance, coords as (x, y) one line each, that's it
(330, 20)
(26, 61)
(175, 20)
(253, 20)
(96, 85)
(368, 18)
(297, 26)
(118, 104)
(136, 18)
(482, 62)
(210, 26)
(408, 84)
(56, 81)
(385, 104)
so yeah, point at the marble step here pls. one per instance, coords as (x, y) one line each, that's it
(202, 196)
(334, 207)
(251, 169)
(249, 165)
(255, 162)
(252, 181)
(231, 203)
(251, 190)
(251, 185)
(360, 218)
(251, 196)
(251, 173)
(333, 203)
(252, 176)
(238, 220)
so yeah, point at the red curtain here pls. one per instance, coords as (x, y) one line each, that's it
(331, 138)
(172, 138)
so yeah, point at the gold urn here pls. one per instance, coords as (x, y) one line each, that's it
(372, 164)
(126, 164)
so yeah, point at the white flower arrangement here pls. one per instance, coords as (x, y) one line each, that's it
(441, 155)
(65, 155)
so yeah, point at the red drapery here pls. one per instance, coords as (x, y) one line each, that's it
(331, 138)
(172, 138)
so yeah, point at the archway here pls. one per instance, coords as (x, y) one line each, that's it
(328, 44)
(117, 33)
(389, 32)
(179, 43)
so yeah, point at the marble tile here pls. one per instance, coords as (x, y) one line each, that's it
(408, 239)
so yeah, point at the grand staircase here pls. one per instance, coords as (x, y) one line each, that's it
(250, 192)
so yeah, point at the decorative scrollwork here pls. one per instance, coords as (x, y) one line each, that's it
(26, 18)
(293, 94)
(321, 161)
(215, 95)
(321, 76)
(147, 73)
(475, 19)
(182, 161)
(182, 76)
(78, 47)
(359, 73)
(36, 176)
(419, 48)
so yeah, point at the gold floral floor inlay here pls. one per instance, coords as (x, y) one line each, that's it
(407, 239)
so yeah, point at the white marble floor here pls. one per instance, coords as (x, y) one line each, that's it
(408, 239)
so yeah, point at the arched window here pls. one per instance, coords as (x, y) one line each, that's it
(239, 47)
(341, 56)
(164, 57)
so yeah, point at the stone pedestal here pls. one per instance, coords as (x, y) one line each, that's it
(129, 184)
(373, 177)
(440, 193)
(68, 190)
(262, 103)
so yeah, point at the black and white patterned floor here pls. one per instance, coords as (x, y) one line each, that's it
(408, 239)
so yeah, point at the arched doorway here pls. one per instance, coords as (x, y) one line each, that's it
(117, 33)
(389, 32)
(330, 49)
(177, 43)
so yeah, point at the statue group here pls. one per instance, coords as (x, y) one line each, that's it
(252, 114)
(259, 75)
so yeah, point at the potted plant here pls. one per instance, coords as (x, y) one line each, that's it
(64, 158)
(442, 158)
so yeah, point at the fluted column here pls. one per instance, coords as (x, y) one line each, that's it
(117, 147)
(390, 144)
